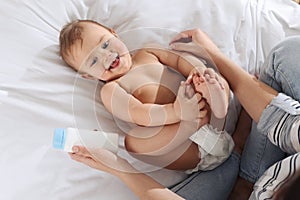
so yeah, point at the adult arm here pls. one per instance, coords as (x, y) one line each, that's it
(276, 178)
(281, 123)
(141, 185)
(252, 93)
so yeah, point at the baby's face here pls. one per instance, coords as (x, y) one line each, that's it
(101, 54)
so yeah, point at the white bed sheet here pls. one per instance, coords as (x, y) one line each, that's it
(38, 93)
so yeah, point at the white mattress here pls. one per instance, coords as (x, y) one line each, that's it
(38, 93)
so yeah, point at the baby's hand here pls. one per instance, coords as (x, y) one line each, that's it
(189, 90)
(189, 106)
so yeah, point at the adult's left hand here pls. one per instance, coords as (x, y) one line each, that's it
(101, 159)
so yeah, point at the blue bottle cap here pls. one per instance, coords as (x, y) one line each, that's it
(59, 138)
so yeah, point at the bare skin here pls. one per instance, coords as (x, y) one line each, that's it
(211, 86)
(141, 90)
(143, 186)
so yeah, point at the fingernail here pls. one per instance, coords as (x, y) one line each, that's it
(75, 149)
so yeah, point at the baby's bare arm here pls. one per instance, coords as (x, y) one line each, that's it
(184, 63)
(187, 64)
(126, 107)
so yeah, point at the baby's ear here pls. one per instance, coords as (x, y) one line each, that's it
(87, 76)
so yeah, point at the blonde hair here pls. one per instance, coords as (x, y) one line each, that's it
(72, 32)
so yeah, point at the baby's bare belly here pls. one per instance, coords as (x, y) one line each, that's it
(156, 84)
(155, 94)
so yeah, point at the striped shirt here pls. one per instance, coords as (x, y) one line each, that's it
(281, 122)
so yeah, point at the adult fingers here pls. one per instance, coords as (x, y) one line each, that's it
(179, 37)
(82, 159)
(81, 150)
(187, 47)
(184, 34)
(77, 157)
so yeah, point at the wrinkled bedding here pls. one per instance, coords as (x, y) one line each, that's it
(39, 93)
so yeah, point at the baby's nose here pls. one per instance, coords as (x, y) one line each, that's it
(109, 59)
(111, 55)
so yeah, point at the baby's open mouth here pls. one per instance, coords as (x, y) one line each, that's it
(115, 63)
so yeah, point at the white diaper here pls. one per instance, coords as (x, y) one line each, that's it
(214, 147)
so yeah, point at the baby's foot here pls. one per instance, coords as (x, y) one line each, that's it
(213, 90)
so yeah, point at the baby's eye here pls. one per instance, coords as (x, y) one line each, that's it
(105, 45)
(94, 61)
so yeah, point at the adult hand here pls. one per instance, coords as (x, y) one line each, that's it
(200, 43)
(189, 106)
(101, 159)
(142, 185)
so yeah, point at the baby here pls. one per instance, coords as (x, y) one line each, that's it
(148, 89)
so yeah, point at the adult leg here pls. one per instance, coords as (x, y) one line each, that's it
(258, 155)
(281, 71)
(214, 184)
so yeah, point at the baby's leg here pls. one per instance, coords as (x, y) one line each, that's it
(213, 89)
(184, 157)
(155, 141)
(165, 144)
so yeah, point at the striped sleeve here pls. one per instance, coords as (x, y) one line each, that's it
(281, 122)
(275, 176)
